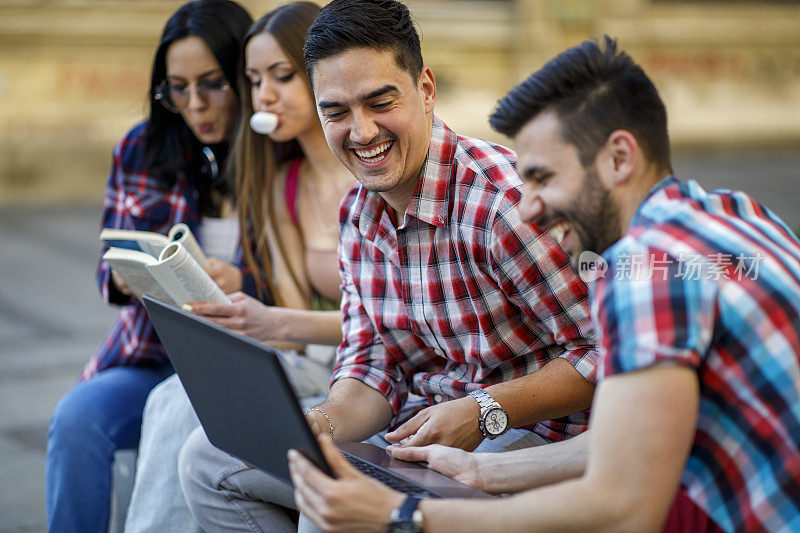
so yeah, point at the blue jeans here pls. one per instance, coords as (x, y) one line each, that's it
(92, 421)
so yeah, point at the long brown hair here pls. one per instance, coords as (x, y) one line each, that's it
(256, 158)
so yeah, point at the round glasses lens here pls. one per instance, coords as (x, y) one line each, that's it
(163, 96)
(215, 92)
(178, 95)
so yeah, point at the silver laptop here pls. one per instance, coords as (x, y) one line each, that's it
(248, 408)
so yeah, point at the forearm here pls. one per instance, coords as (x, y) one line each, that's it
(570, 506)
(532, 467)
(286, 346)
(629, 482)
(356, 411)
(311, 327)
(553, 391)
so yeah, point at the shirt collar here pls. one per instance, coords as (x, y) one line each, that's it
(656, 194)
(429, 202)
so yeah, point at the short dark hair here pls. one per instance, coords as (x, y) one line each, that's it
(380, 24)
(593, 90)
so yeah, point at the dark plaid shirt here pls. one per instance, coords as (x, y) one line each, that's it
(135, 200)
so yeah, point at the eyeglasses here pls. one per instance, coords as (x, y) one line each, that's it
(175, 96)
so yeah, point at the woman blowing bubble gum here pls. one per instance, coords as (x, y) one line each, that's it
(289, 186)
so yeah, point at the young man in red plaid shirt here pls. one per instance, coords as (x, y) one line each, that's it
(446, 290)
(451, 303)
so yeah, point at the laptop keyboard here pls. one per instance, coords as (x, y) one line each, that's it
(392, 480)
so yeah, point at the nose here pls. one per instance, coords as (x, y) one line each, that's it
(264, 95)
(196, 102)
(531, 207)
(362, 128)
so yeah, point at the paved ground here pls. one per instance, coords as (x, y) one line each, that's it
(51, 319)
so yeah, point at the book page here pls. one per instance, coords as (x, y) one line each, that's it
(144, 241)
(131, 266)
(182, 234)
(183, 278)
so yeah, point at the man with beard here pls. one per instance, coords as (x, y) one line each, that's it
(455, 311)
(696, 422)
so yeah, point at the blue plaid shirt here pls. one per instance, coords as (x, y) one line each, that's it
(711, 281)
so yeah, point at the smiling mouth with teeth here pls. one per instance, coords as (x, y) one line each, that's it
(559, 230)
(375, 154)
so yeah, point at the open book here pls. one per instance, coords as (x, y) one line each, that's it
(154, 243)
(174, 277)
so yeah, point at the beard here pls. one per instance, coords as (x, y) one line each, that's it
(594, 218)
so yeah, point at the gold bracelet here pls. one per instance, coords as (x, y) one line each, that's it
(330, 424)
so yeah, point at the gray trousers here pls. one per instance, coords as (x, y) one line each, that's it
(226, 495)
(157, 503)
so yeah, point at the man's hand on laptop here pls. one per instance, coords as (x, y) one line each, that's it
(453, 423)
(464, 467)
(352, 502)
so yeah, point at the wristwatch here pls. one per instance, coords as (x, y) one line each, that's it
(406, 518)
(493, 420)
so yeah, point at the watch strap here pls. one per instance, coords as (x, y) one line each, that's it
(484, 399)
(407, 514)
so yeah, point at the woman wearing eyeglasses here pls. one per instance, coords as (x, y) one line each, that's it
(166, 170)
(289, 187)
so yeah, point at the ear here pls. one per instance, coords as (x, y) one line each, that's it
(618, 158)
(427, 85)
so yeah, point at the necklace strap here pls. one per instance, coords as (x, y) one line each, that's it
(328, 229)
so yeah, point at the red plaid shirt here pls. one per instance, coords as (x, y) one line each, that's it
(463, 294)
(136, 200)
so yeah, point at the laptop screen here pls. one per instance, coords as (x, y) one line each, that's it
(238, 389)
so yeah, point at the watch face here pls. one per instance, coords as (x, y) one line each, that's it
(496, 421)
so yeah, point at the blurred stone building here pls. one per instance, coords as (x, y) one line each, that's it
(74, 73)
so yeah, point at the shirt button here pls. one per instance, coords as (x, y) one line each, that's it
(441, 219)
(437, 398)
(438, 352)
